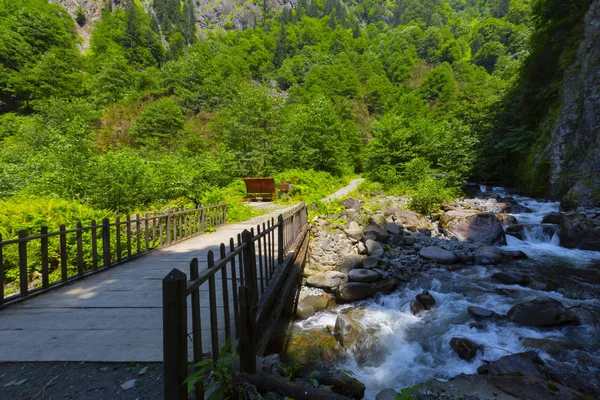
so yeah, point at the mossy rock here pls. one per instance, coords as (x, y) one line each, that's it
(308, 348)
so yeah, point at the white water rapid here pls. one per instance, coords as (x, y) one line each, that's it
(413, 349)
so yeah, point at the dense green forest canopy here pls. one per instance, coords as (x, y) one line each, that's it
(405, 92)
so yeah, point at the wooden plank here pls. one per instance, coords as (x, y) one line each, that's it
(196, 327)
(295, 390)
(213, 308)
(174, 335)
(44, 257)
(23, 275)
(63, 254)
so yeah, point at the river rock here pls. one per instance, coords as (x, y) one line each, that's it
(409, 240)
(465, 348)
(307, 348)
(340, 382)
(311, 302)
(350, 262)
(527, 363)
(361, 248)
(380, 234)
(408, 218)
(370, 262)
(386, 285)
(327, 280)
(437, 254)
(515, 254)
(354, 291)
(354, 234)
(542, 311)
(416, 307)
(374, 248)
(579, 232)
(347, 331)
(511, 278)
(423, 301)
(386, 394)
(480, 313)
(393, 229)
(478, 227)
(379, 220)
(516, 230)
(507, 219)
(489, 255)
(553, 218)
(363, 275)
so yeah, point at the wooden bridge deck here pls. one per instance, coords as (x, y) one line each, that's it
(113, 316)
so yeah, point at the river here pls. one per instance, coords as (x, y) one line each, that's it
(414, 349)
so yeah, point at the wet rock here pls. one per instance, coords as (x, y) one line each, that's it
(552, 347)
(507, 219)
(416, 307)
(380, 234)
(327, 280)
(480, 313)
(489, 255)
(386, 285)
(307, 348)
(310, 303)
(386, 394)
(511, 278)
(527, 363)
(350, 262)
(347, 331)
(579, 232)
(374, 248)
(515, 254)
(553, 218)
(423, 301)
(542, 311)
(508, 292)
(363, 275)
(437, 254)
(465, 348)
(464, 258)
(341, 383)
(516, 230)
(354, 291)
(478, 227)
(370, 262)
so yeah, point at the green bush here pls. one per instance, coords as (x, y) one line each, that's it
(429, 195)
(309, 185)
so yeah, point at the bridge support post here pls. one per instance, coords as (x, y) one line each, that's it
(175, 354)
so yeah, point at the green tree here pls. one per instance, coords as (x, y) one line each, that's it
(158, 124)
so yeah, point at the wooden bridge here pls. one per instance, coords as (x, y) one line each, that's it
(237, 279)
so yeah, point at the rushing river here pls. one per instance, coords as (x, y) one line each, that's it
(416, 348)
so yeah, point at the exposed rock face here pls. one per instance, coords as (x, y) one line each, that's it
(579, 232)
(542, 311)
(574, 147)
(480, 227)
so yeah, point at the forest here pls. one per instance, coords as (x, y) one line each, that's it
(415, 95)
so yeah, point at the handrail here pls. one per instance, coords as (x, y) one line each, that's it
(86, 250)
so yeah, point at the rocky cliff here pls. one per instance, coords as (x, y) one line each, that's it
(574, 148)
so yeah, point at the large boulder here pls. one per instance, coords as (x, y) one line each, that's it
(370, 262)
(465, 348)
(350, 262)
(307, 348)
(363, 275)
(347, 331)
(437, 254)
(527, 363)
(478, 227)
(423, 301)
(311, 302)
(553, 218)
(354, 234)
(354, 291)
(381, 235)
(379, 220)
(489, 255)
(542, 311)
(410, 220)
(386, 285)
(374, 248)
(327, 280)
(579, 232)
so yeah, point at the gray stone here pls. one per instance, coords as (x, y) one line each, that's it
(128, 385)
(553, 218)
(327, 280)
(416, 307)
(379, 220)
(353, 225)
(409, 240)
(350, 262)
(374, 248)
(393, 229)
(542, 311)
(478, 227)
(363, 275)
(347, 331)
(354, 291)
(355, 234)
(426, 299)
(380, 234)
(439, 255)
(489, 255)
(362, 249)
(511, 278)
(386, 285)
(480, 313)
(465, 348)
(370, 262)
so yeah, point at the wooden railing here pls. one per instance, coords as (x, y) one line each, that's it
(46, 260)
(257, 273)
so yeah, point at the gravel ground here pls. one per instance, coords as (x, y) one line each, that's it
(352, 186)
(75, 380)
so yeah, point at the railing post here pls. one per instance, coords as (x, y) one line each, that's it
(280, 239)
(224, 213)
(168, 228)
(106, 242)
(79, 244)
(175, 335)
(23, 277)
(44, 255)
(63, 253)
(249, 258)
(247, 340)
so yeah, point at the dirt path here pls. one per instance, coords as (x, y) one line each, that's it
(352, 186)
